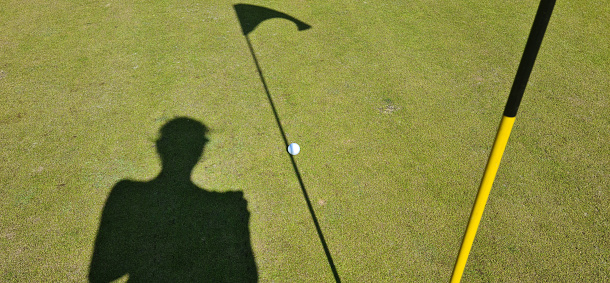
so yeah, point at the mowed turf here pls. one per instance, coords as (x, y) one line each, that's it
(395, 106)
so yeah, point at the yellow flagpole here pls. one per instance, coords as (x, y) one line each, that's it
(493, 164)
(543, 15)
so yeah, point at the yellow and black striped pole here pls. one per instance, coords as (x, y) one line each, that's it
(532, 46)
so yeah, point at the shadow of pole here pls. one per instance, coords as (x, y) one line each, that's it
(296, 168)
(250, 16)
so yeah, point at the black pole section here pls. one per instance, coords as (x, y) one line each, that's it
(545, 9)
(296, 169)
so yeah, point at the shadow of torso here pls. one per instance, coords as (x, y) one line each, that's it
(160, 231)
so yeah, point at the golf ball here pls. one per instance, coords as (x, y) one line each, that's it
(294, 149)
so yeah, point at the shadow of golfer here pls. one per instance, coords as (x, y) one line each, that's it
(170, 230)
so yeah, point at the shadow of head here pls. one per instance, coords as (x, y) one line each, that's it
(181, 143)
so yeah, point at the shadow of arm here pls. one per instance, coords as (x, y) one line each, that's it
(109, 259)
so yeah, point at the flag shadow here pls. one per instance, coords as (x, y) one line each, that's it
(250, 16)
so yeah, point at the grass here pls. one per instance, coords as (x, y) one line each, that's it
(85, 87)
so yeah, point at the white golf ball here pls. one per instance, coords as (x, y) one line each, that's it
(294, 149)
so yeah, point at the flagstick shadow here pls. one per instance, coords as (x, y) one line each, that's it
(247, 28)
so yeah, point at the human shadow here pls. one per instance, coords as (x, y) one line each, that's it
(170, 230)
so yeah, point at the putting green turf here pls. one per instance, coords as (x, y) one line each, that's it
(395, 107)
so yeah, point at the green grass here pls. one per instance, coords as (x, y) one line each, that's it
(395, 107)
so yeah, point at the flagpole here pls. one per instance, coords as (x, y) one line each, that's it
(528, 59)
